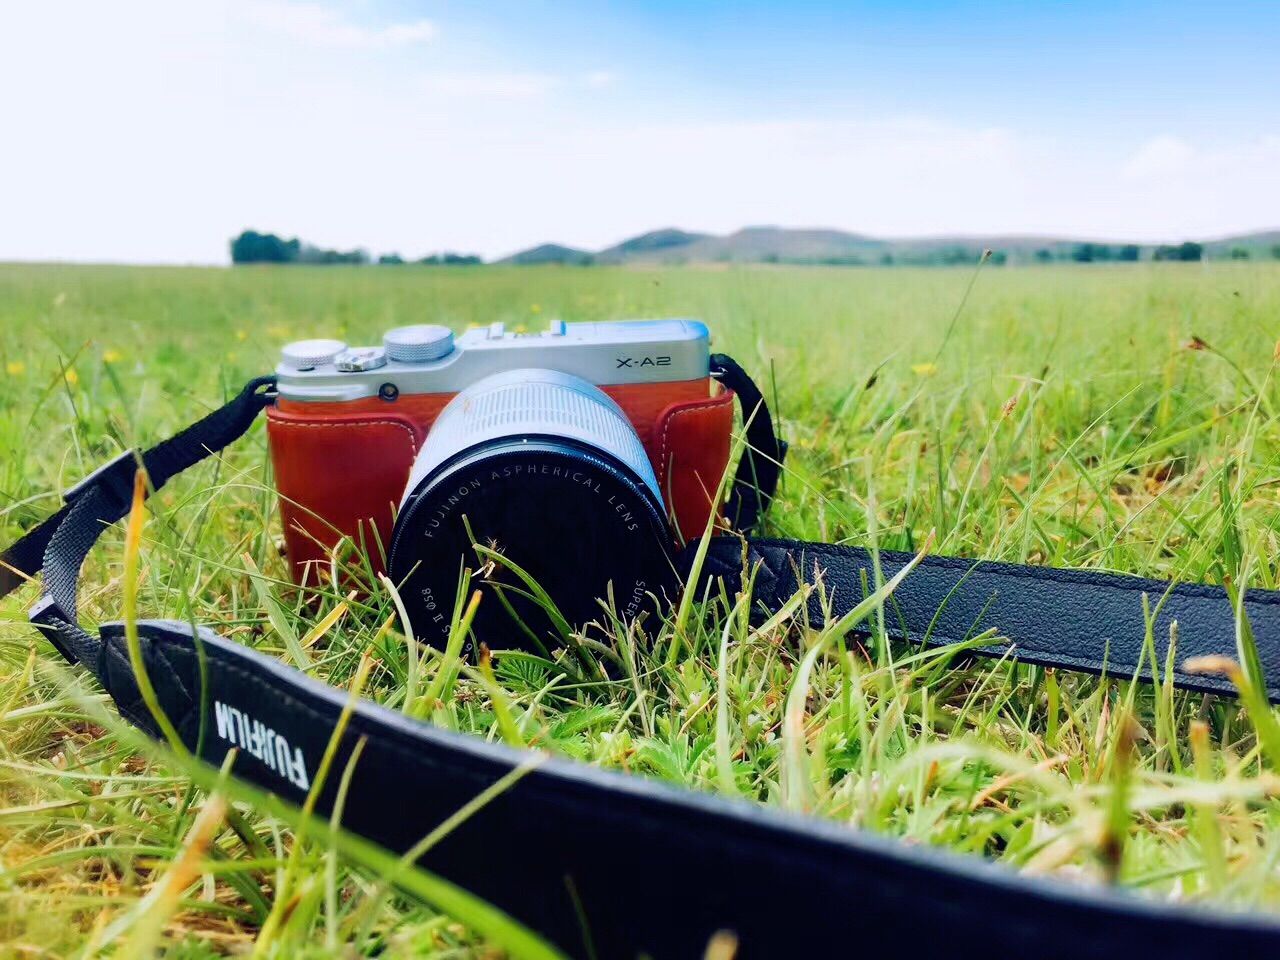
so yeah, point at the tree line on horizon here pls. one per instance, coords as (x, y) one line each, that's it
(254, 247)
(1186, 252)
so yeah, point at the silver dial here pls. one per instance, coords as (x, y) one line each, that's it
(309, 354)
(418, 344)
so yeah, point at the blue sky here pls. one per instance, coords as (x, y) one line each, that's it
(152, 131)
(1034, 63)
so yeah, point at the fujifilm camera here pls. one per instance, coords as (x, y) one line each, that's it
(578, 457)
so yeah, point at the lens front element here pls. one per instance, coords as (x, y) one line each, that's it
(546, 470)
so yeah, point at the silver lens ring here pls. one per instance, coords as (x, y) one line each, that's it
(526, 403)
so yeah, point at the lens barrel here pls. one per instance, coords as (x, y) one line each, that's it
(545, 469)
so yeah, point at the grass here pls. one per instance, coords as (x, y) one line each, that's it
(1112, 417)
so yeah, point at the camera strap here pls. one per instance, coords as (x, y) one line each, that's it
(756, 479)
(1083, 620)
(604, 864)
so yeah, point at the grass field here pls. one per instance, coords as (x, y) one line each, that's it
(1113, 417)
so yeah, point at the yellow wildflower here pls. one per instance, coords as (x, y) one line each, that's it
(924, 369)
(535, 308)
(71, 376)
(15, 368)
(112, 356)
(242, 335)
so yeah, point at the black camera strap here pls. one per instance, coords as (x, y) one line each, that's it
(611, 865)
(1082, 620)
(756, 479)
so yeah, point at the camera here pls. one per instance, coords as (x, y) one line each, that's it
(578, 456)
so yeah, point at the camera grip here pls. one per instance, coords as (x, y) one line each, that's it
(689, 447)
(339, 476)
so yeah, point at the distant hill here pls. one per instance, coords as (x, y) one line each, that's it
(550, 253)
(748, 245)
(769, 244)
(1262, 244)
(657, 243)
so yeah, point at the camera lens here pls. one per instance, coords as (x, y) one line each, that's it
(544, 469)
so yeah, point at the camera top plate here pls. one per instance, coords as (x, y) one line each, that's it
(603, 353)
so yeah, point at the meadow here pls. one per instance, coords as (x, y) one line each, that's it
(1121, 417)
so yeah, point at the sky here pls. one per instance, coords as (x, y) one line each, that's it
(155, 131)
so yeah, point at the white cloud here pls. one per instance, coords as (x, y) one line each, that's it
(1160, 156)
(1168, 157)
(597, 79)
(498, 85)
(1175, 187)
(322, 26)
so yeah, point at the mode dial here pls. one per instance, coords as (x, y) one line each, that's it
(418, 344)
